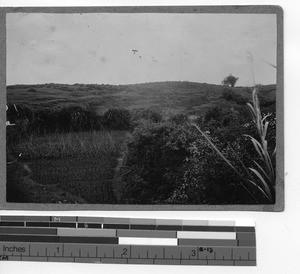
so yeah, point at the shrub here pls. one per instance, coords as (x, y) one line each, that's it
(260, 183)
(206, 179)
(76, 118)
(227, 94)
(117, 118)
(230, 95)
(155, 154)
(179, 118)
(150, 115)
(32, 90)
(46, 120)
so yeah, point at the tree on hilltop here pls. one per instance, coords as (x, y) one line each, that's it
(230, 80)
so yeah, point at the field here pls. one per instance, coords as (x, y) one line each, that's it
(81, 164)
(97, 144)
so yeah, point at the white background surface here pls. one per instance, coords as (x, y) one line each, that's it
(278, 235)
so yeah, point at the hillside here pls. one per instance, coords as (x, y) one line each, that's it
(172, 97)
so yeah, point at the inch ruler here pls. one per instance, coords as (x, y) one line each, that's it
(127, 240)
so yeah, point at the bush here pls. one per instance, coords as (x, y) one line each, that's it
(179, 118)
(117, 118)
(150, 115)
(230, 95)
(155, 154)
(45, 120)
(67, 119)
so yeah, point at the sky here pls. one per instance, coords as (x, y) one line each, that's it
(98, 48)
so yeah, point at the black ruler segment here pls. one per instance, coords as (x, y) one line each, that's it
(58, 224)
(194, 228)
(11, 223)
(37, 224)
(28, 238)
(118, 226)
(89, 225)
(146, 227)
(127, 240)
(169, 227)
(33, 231)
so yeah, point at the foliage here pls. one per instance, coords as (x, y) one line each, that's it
(206, 178)
(117, 119)
(264, 172)
(227, 160)
(155, 154)
(230, 95)
(230, 80)
(147, 115)
(179, 118)
(44, 120)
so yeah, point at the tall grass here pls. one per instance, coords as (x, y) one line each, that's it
(264, 172)
(58, 145)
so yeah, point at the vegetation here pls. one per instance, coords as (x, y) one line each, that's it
(154, 143)
(230, 80)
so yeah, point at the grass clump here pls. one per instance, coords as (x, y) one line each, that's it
(264, 172)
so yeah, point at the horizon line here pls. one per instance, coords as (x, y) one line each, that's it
(139, 83)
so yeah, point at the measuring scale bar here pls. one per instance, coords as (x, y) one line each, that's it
(128, 241)
(119, 253)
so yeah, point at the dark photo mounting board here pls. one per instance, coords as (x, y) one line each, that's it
(142, 108)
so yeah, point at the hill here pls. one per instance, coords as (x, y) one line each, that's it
(172, 97)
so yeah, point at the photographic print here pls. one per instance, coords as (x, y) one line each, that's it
(144, 108)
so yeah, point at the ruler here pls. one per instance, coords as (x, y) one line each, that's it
(127, 240)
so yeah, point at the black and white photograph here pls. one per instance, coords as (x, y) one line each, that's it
(143, 108)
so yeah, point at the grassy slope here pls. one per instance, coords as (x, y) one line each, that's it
(175, 97)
